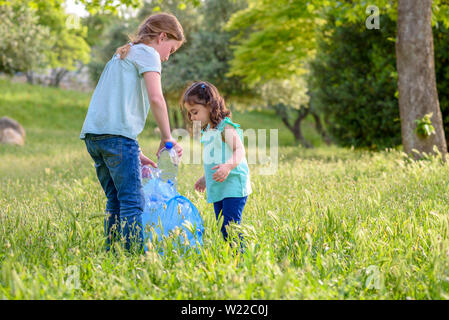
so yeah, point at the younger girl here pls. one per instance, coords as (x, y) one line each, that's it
(129, 84)
(226, 175)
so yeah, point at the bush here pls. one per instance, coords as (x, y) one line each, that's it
(354, 83)
(441, 45)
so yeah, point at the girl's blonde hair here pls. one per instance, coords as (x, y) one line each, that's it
(206, 94)
(152, 27)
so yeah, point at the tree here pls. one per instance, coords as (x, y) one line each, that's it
(353, 84)
(63, 47)
(289, 99)
(69, 47)
(207, 53)
(441, 43)
(112, 6)
(271, 55)
(24, 42)
(113, 35)
(416, 78)
(271, 45)
(274, 39)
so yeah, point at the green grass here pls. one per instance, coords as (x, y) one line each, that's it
(331, 224)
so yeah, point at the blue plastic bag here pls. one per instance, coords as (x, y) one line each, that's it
(165, 209)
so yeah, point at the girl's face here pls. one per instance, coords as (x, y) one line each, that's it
(198, 112)
(165, 46)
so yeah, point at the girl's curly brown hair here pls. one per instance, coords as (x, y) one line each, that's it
(206, 94)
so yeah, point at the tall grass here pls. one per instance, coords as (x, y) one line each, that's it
(332, 223)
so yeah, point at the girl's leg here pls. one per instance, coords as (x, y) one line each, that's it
(232, 212)
(121, 157)
(218, 206)
(112, 214)
(124, 165)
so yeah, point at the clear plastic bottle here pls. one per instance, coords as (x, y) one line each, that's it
(146, 174)
(168, 165)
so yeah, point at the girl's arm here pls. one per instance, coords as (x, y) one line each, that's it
(159, 108)
(157, 103)
(238, 150)
(238, 153)
(200, 184)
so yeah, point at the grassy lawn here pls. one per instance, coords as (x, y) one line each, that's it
(332, 223)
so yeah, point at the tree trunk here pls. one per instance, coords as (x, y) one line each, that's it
(416, 77)
(319, 126)
(295, 128)
(30, 77)
(57, 75)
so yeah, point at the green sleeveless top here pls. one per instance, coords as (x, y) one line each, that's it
(237, 183)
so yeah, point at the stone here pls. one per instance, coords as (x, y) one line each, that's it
(11, 132)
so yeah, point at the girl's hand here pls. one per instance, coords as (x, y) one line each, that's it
(146, 161)
(176, 146)
(222, 173)
(200, 184)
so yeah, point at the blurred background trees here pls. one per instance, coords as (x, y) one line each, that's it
(354, 83)
(42, 37)
(315, 59)
(24, 42)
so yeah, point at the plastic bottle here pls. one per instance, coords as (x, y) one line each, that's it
(168, 164)
(146, 174)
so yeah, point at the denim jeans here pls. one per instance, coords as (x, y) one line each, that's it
(118, 169)
(231, 210)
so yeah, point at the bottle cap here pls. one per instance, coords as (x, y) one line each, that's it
(169, 144)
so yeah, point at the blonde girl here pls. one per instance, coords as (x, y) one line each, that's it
(129, 86)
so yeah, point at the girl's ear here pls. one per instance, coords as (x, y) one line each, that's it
(162, 36)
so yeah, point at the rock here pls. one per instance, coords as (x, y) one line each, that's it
(11, 132)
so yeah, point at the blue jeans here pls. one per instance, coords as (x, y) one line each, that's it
(231, 210)
(118, 169)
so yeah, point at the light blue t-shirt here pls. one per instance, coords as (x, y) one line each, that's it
(237, 183)
(119, 104)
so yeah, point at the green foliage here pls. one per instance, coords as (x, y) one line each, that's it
(424, 127)
(355, 11)
(441, 51)
(113, 35)
(353, 83)
(112, 6)
(96, 25)
(274, 39)
(207, 53)
(356, 89)
(41, 35)
(70, 46)
(23, 42)
(291, 91)
(288, 98)
(113, 32)
(108, 6)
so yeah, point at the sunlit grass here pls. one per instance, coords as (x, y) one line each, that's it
(332, 223)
